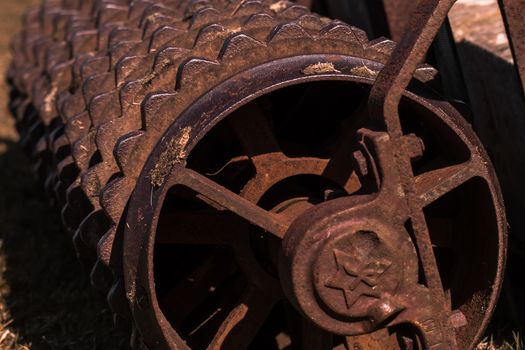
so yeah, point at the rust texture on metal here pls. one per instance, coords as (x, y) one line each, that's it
(349, 264)
(250, 174)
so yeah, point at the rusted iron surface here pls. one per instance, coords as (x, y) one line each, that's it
(308, 271)
(249, 174)
(384, 102)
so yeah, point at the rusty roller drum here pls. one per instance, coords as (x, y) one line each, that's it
(79, 72)
(221, 173)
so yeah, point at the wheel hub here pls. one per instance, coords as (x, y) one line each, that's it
(353, 265)
(357, 265)
(346, 261)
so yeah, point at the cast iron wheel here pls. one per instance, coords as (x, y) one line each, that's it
(203, 258)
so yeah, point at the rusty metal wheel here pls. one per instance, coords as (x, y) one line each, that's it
(221, 157)
(266, 218)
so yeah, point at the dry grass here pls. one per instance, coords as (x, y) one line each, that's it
(516, 343)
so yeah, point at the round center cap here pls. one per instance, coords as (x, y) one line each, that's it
(354, 271)
(343, 268)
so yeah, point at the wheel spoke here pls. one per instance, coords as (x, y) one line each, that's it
(199, 227)
(433, 184)
(274, 167)
(242, 324)
(260, 145)
(231, 201)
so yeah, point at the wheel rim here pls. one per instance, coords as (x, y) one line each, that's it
(147, 201)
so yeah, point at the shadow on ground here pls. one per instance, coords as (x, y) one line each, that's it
(47, 292)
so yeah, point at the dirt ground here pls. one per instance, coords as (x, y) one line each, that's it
(46, 301)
